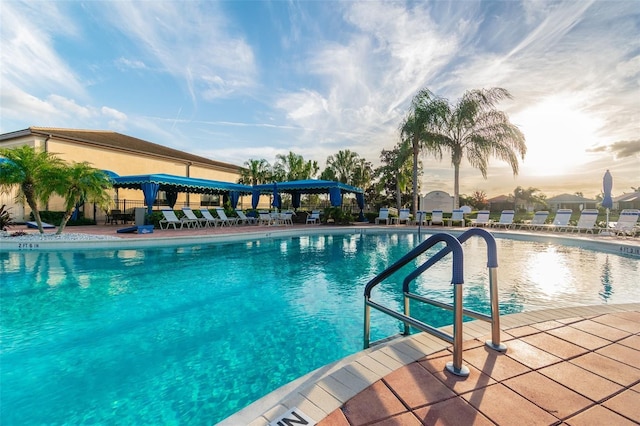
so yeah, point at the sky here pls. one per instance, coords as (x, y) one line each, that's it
(240, 80)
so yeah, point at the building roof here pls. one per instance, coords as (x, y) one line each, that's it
(627, 197)
(501, 199)
(114, 140)
(569, 198)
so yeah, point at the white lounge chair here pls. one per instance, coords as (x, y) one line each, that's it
(224, 219)
(586, 222)
(506, 220)
(170, 219)
(457, 216)
(264, 218)
(627, 223)
(383, 215)
(539, 218)
(286, 218)
(560, 220)
(210, 220)
(404, 215)
(314, 217)
(195, 221)
(436, 217)
(482, 218)
(243, 218)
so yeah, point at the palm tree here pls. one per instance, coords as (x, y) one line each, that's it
(293, 167)
(77, 183)
(255, 172)
(32, 172)
(425, 116)
(342, 165)
(475, 130)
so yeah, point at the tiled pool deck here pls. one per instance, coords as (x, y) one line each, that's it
(573, 366)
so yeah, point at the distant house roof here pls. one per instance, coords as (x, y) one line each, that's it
(114, 140)
(627, 197)
(569, 198)
(501, 199)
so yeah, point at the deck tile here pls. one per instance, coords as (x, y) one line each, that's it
(375, 403)
(459, 385)
(579, 337)
(335, 418)
(416, 386)
(607, 367)
(619, 323)
(601, 330)
(554, 345)
(598, 416)
(529, 355)
(495, 364)
(454, 411)
(582, 381)
(621, 353)
(404, 419)
(549, 395)
(505, 407)
(626, 403)
(631, 342)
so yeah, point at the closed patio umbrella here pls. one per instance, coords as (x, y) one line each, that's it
(276, 197)
(607, 201)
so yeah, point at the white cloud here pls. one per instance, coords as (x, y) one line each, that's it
(189, 40)
(28, 55)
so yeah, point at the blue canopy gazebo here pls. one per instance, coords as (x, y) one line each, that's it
(151, 184)
(314, 186)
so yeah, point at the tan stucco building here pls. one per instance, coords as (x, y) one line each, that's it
(123, 155)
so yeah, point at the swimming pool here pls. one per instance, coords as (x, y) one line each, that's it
(192, 334)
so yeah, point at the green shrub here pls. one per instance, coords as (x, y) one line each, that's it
(6, 221)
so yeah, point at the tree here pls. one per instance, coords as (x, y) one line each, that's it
(475, 130)
(255, 172)
(397, 169)
(293, 167)
(424, 117)
(78, 183)
(342, 165)
(32, 171)
(527, 196)
(478, 200)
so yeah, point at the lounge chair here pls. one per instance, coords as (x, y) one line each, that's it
(559, 221)
(421, 217)
(436, 217)
(456, 216)
(586, 222)
(286, 218)
(482, 218)
(314, 217)
(210, 220)
(196, 222)
(170, 219)
(243, 218)
(264, 218)
(404, 215)
(383, 215)
(224, 219)
(626, 224)
(506, 220)
(539, 218)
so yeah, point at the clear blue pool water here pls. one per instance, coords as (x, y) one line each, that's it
(189, 335)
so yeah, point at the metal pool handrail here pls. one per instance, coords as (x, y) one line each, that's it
(453, 245)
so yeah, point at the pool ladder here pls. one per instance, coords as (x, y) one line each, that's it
(454, 246)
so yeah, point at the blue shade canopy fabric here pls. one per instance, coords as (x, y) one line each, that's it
(172, 197)
(255, 199)
(607, 186)
(309, 186)
(181, 184)
(295, 200)
(335, 196)
(150, 191)
(234, 196)
(277, 202)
